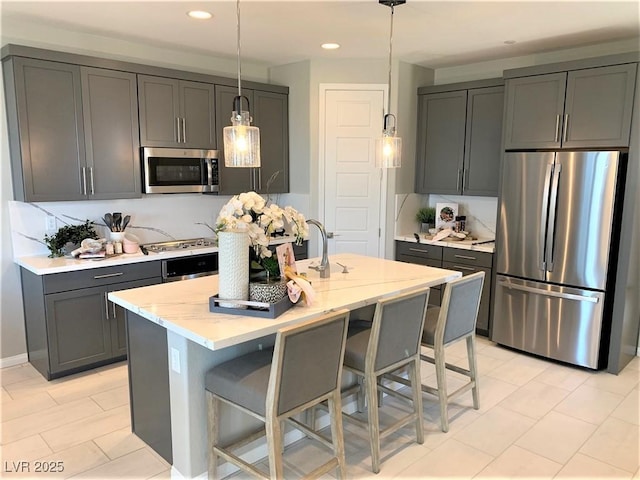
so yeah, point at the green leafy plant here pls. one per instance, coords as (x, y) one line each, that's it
(69, 234)
(426, 215)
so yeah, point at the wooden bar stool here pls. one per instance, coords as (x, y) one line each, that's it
(390, 343)
(453, 321)
(302, 370)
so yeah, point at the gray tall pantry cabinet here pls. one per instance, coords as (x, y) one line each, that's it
(270, 112)
(73, 131)
(70, 324)
(582, 108)
(176, 113)
(459, 138)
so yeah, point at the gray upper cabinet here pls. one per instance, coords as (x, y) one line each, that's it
(73, 131)
(598, 107)
(176, 113)
(272, 117)
(459, 139)
(483, 141)
(577, 109)
(109, 104)
(441, 125)
(270, 113)
(46, 137)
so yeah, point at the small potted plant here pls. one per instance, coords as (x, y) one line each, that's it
(426, 216)
(67, 238)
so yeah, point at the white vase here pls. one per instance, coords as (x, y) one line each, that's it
(233, 267)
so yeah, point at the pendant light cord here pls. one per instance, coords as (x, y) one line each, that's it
(238, 34)
(390, 54)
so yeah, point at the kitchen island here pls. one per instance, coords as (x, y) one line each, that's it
(173, 340)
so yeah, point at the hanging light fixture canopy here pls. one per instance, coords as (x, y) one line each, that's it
(241, 140)
(389, 146)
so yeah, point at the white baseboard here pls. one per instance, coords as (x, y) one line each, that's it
(15, 360)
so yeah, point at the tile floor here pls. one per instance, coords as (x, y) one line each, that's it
(537, 420)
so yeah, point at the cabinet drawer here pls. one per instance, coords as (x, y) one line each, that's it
(95, 277)
(421, 250)
(468, 257)
(419, 260)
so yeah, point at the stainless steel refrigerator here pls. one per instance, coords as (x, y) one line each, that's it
(556, 240)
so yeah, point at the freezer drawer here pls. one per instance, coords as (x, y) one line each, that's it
(555, 322)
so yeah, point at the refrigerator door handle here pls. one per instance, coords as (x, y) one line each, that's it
(551, 228)
(548, 293)
(543, 215)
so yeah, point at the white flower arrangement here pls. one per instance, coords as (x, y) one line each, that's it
(249, 211)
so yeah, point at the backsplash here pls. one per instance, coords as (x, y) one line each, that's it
(154, 218)
(481, 212)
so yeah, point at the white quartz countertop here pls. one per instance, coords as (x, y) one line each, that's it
(43, 265)
(183, 307)
(463, 244)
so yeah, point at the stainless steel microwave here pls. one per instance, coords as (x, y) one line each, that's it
(179, 170)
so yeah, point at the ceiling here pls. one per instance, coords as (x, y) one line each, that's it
(429, 33)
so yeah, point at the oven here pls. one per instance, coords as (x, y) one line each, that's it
(192, 266)
(179, 170)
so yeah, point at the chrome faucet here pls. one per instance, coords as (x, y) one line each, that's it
(323, 268)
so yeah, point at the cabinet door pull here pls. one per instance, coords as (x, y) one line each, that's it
(184, 131)
(84, 180)
(418, 250)
(460, 267)
(557, 136)
(465, 178)
(93, 191)
(565, 127)
(178, 129)
(467, 257)
(108, 275)
(113, 309)
(106, 304)
(458, 180)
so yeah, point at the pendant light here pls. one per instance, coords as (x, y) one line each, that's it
(241, 140)
(389, 146)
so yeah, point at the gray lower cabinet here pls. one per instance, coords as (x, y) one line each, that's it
(70, 323)
(73, 131)
(270, 113)
(176, 113)
(459, 138)
(462, 260)
(586, 108)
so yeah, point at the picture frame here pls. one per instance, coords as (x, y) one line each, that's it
(286, 257)
(446, 214)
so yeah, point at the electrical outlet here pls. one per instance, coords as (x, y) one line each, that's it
(260, 346)
(50, 224)
(175, 360)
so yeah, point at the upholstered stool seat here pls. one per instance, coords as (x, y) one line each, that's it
(302, 370)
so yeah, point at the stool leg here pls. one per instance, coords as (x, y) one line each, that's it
(473, 369)
(213, 407)
(416, 388)
(274, 444)
(441, 377)
(360, 396)
(337, 436)
(374, 421)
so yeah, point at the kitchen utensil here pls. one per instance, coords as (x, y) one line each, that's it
(125, 222)
(108, 221)
(117, 221)
(442, 234)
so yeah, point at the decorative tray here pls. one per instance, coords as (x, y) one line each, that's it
(254, 309)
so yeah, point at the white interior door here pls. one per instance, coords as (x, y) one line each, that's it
(352, 186)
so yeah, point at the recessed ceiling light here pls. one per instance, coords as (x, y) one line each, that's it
(330, 46)
(199, 14)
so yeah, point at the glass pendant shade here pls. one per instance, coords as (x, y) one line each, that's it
(388, 150)
(241, 142)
